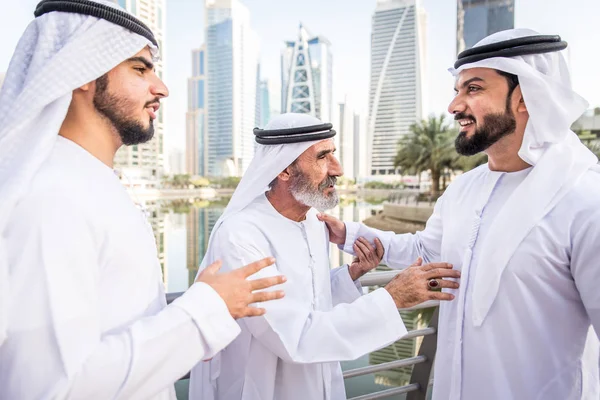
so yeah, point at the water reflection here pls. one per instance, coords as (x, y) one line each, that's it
(182, 228)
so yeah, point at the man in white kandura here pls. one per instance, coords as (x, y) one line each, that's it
(293, 352)
(524, 229)
(82, 304)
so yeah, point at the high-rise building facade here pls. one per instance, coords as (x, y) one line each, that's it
(196, 153)
(231, 70)
(306, 76)
(396, 94)
(476, 19)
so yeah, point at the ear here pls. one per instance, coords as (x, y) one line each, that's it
(285, 175)
(518, 95)
(85, 88)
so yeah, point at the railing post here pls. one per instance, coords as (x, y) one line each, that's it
(421, 373)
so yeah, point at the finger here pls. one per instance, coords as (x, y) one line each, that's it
(253, 312)
(367, 244)
(359, 253)
(442, 273)
(324, 217)
(379, 248)
(267, 296)
(441, 296)
(264, 283)
(366, 248)
(446, 284)
(256, 266)
(418, 262)
(432, 266)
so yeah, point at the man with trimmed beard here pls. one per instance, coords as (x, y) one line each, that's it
(293, 352)
(82, 304)
(524, 229)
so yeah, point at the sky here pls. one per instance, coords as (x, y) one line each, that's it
(347, 25)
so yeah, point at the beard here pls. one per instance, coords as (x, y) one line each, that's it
(113, 108)
(306, 193)
(495, 127)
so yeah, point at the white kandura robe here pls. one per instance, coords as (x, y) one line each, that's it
(293, 352)
(87, 317)
(531, 345)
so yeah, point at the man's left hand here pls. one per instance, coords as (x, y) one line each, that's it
(367, 257)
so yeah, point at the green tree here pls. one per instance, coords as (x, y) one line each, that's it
(429, 146)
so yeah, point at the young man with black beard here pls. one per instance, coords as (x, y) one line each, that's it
(524, 229)
(82, 304)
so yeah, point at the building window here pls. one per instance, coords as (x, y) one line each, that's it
(200, 93)
(133, 7)
(123, 3)
(202, 63)
(159, 17)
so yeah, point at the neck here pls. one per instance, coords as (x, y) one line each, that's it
(503, 156)
(285, 204)
(92, 132)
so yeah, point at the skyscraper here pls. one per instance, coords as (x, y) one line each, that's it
(345, 130)
(306, 76)
(477, 19)
(264, 103)
(142, 165)
(397, 72)
(196, 156)
(232, 58)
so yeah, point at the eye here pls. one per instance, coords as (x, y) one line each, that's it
(473, 88)
(140, 69)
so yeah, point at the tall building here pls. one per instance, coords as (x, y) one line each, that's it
(231, 71)
(306, 76)
(142, 165)
(196, 151)
(360, 148)
(397, 73)
(477, 19)
(264, 104)
(345, 132)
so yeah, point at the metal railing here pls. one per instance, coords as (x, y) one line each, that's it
(422, 363)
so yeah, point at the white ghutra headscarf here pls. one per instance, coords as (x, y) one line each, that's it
(58, 53)
(557, 155)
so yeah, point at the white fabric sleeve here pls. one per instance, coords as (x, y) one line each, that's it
(55, 347)
(585, 265)
(400, 251)
(296, 333)
(343, 289)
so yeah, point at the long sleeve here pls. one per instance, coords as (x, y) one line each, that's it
(402, 250)
(296, 333)
(56, 347)
(585, 265)
(343, 289)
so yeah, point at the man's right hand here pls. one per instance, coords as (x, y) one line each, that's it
(409, 287)
(336, 228)
(237, 291)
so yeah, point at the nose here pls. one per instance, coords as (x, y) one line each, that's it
(335, 168)
(158, 88)
(457, 105)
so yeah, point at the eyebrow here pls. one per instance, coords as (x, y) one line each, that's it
(468, 82)
(323, 152)
(143, 60)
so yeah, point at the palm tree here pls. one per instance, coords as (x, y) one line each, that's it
(428, 147)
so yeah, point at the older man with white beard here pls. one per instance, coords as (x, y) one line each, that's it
(294, 352)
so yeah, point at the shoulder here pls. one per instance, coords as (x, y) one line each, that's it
(584, 197)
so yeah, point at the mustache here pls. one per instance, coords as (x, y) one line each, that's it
(329, 181)
(463, 116)
(155, 100)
